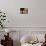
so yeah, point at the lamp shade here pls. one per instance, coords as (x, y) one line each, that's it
(7, 30)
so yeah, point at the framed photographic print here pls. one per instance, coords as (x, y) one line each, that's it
(23, 10)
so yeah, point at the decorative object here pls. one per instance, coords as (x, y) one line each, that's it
(23, 10)
(44, 44)
(7, 30)
(8, 40)
(2, 19)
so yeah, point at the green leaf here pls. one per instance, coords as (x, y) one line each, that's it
(1, 16)
(3, 19)
(0, 12)
(0, 21)
(4, 13)
(2, 26)
(4, 16)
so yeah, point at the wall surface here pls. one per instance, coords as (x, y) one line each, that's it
(35, 18)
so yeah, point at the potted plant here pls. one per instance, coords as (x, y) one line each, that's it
(2, 19)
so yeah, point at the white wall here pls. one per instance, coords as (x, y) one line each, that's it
(35, 18)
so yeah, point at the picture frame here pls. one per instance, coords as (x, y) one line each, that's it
(23, 10)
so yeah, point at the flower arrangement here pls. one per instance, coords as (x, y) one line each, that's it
(2, 19)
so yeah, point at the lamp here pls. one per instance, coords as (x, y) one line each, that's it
(7, 31)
